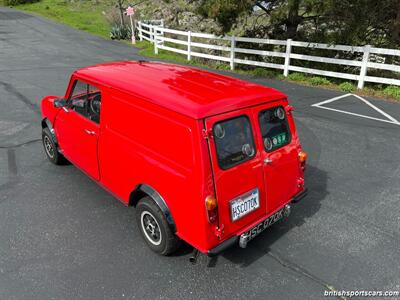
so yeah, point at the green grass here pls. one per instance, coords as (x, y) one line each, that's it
(83, 15)
(316, 81)
(392, 91)
(300, 77)
(147, 49)
(347, 87)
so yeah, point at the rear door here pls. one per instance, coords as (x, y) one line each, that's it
(238, 169)
(279, 153)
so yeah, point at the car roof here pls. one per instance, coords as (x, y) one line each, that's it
(189, 91)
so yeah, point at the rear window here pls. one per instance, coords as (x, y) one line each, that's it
(274, 128)
(233, 141)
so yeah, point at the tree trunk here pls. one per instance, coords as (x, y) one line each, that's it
(395, 34)
(293, 19)
(121, 11)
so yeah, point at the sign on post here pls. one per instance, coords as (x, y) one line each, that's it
(130, 11)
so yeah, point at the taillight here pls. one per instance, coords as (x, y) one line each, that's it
(212, 209)
(303, 156)
(302, 159)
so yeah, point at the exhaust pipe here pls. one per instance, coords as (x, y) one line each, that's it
(195, 255)
(243, 240)
(286, 211)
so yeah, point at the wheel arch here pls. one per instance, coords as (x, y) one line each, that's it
(143, 190)
(47, 124)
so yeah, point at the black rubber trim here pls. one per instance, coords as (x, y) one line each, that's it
(223, 246)
(161, 204)
(50, 126)
(300, 196)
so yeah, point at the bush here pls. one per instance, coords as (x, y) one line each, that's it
(222, 66)
(17, 2)
(297, 77)
(319, 81)
(262, 72)
(347, 87)
(119, 32)
(392, 91)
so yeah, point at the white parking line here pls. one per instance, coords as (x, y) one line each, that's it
(391, 119)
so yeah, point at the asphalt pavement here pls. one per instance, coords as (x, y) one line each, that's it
(63, 237)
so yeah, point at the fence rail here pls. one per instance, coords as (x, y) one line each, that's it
(156, 34)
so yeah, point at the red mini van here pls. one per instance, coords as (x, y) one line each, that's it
(204, 158)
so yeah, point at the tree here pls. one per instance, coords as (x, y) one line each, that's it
(287, 14)
(120, 6)
(353, 22)
(360, 22)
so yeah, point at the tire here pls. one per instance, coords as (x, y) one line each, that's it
(51, 149)
(154, 227)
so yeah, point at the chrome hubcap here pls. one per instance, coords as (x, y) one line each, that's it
(151, 228)
(48, 147)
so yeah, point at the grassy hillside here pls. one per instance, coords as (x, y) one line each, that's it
(83, 15)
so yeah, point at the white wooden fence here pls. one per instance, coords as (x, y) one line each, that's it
(158, 35)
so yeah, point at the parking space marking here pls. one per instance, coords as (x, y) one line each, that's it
(390, 120)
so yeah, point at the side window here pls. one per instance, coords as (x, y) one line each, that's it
(79, 91)
(233, 141)
(274, 128)
(85, 99)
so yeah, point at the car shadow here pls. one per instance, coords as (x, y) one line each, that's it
(316, 180)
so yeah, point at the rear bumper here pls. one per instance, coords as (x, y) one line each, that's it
(300, 196)
(223, 246)
(235, 239)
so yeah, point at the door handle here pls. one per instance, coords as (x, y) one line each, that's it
(267, 161)
(89, 132)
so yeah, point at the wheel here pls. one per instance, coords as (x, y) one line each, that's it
(50, 148)
(154, 227)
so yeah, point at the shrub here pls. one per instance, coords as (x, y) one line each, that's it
(222, 66)
(280, 77)
(392, 91)
(319, 81)
(261, 72)
(347, 87)
(297, 77)
(17, 2)
(119, 32)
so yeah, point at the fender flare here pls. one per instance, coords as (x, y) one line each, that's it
(47, 123)
(141, 189)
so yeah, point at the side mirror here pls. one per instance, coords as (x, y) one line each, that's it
(61, 102)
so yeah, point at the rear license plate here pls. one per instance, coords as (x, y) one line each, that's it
(244, 204)
(260, 227)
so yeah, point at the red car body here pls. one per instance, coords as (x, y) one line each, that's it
(155, 137)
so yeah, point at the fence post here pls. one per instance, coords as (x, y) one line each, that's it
(189, 47)
(151, 30)
(162, 32)
(155, 40)
(233, 43)
(140, 30)
(287, 57)
(364, 67)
